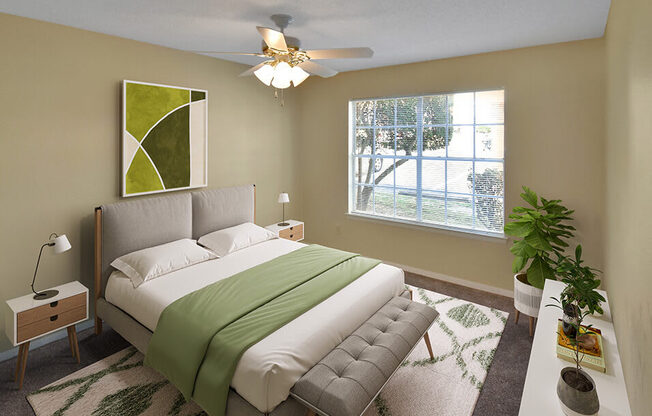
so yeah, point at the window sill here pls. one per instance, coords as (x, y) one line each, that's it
(454, 231)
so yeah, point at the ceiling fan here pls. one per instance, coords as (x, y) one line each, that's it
(286, 63)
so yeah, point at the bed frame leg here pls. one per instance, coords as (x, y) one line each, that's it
(97, 266)
(310, 412)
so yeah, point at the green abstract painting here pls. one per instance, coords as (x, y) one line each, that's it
(164, 138)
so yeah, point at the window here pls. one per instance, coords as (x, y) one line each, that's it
(435, 160)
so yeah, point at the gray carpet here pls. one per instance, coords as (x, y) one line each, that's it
(503, 387)
(501, 394)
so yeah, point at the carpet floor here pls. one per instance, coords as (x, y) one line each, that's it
(500, 393)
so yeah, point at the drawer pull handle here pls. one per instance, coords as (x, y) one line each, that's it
(291, 228)
(291, 235)
(54, 318)
(54, 304)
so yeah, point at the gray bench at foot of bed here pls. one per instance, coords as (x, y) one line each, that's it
(348, 379)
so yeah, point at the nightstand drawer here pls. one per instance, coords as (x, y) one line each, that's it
(46, 311)
(293, 233)
(50, 323)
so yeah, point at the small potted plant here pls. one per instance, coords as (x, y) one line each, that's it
(576, 389)
(581, 294)
(540, 229)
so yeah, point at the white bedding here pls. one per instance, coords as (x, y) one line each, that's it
(268, 370)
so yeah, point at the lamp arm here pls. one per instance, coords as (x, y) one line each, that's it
(49, 243)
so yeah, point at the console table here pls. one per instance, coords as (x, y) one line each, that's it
(540, 394)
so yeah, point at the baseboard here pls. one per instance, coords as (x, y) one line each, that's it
(455, 280)
(55, 336)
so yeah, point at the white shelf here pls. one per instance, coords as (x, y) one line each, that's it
(540, 390)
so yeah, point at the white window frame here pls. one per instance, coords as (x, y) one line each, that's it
(419, 158)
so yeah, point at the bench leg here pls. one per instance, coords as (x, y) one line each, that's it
(426, 338)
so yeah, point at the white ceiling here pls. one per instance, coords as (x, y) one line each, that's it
(399, 31)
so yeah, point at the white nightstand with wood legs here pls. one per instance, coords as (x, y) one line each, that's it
(28, 319)
(292, 231)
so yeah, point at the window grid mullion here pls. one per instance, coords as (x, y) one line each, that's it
(419, 155)
(473, 168)
(452, 158)
(373, 164)
(446, 135)
(407, 126)
(394, 160)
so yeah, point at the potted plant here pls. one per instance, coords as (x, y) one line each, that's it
(581, 294)
(540, 229)
(576, 389)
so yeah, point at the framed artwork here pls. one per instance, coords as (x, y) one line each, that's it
(164, 138)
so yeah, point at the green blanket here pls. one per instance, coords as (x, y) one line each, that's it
(200, 338)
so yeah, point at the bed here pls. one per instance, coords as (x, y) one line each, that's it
(268, 370)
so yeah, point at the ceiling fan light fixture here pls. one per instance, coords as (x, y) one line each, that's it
(265, 74)
(283, 56)
(282, 75)
(298, 75)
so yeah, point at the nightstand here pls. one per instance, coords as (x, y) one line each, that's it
(28, 319)
(293, 231)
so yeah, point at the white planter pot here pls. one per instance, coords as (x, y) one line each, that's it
(527, 298)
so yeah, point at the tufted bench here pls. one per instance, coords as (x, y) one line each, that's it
(348, 379)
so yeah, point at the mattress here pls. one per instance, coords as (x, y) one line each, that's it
(268, 370)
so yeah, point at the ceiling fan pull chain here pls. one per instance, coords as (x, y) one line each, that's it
(276, 96)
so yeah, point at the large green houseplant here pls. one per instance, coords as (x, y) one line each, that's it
(540, 229)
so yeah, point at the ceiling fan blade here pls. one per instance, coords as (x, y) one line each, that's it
(273, 38)
(251, 70)
(317, 69)
(340, 53)
(231, 53)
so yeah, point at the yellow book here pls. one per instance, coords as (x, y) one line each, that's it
(593, 355)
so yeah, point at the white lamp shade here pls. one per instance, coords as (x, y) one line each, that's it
(298, 75)
(61, 244)
(265, 74)
(283, 198)
(282, 75)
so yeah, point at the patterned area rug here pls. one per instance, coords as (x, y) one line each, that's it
(464, 338)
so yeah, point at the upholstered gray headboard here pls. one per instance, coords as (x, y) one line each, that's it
(127, 226)
(216, 209)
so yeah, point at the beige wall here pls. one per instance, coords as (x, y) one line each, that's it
(60, 132)
(554, 139)
(628, 253)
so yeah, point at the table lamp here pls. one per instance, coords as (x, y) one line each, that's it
(60, 244)
(283, 198)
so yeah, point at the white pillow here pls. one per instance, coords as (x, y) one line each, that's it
(236, 238)
(150, 263)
